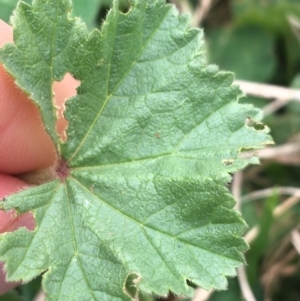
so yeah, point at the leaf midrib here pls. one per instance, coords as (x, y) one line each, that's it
(142, 225)
(117, 85)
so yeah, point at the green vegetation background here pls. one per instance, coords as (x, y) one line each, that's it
(255, 40)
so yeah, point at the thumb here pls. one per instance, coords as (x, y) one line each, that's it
(9, 221)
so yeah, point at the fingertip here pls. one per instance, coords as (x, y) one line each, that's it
(10, 221)
(4, 285)
(25, 145)
(6, 33)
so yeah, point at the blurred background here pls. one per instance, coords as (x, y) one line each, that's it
(258, 40)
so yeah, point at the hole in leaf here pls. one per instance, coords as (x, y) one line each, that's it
(63, 90)
(191, 284)
(171, 297)
(259, 126)
(12, 220)
(131, 286)
(228, 161)
(124, 7)
(255, 124)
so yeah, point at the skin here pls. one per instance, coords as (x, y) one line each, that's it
(24, 144)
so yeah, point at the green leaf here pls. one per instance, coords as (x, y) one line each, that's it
(154, 134)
